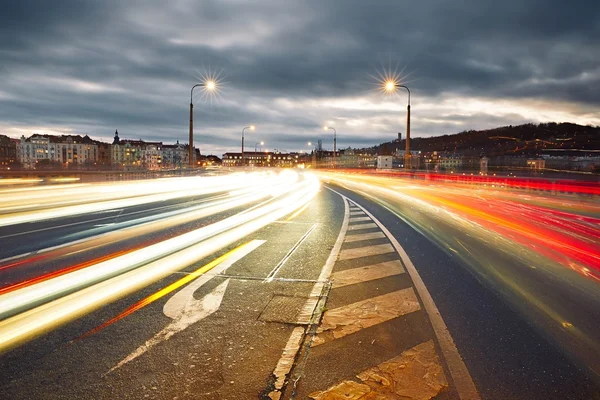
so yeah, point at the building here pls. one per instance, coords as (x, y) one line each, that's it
(483, 165)
(536, 165)
(175, 156)
(261, 159)
(384, 162)
(152, 155)
(8, 152)
(49, 151)
(450, 162)
(126, 154)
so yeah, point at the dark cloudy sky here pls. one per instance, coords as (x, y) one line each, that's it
(290, 67)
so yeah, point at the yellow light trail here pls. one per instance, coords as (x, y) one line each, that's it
(133, 273)
(166, 290)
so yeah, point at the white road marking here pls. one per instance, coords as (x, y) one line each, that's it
(349, 254)
(284, 366)
(281, 263)
(358, 227)
(458, 370)
(178, 301)
(364, 236)
(307, 314)
(185, 310)
(351, 318)
(353, 213)
(192, 312)
(368, 273)
(357, 219)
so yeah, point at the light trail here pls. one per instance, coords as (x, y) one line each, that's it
(41, 306)
(164, 291)
(540, 253)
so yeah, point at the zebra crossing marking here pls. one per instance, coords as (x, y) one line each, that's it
(351, 318)
(366, 274)
(357, 252)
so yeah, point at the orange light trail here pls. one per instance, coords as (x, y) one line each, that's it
(164, 291)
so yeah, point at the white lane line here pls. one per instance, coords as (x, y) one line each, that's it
(357, 219)
(364, 236)
(352, 318)
(368, 273)
(458, 370)
(306, 314)
(358, 227)
(281, 263)
(286, 362)
(349, 254)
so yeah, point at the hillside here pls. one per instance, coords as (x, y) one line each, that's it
(528, 139)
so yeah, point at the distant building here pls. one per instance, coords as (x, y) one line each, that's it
(537, 164)
(175, 156)
(8, 152)
(483, 165)
(261, 159)
(384, 162)
(66, 151)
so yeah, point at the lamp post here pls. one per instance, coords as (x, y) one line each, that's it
(208, 85)
(334, 142)
(255, 147)
(314, 155)
(251, 127)
(391, 86)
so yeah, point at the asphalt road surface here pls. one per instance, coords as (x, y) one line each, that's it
(274, 285)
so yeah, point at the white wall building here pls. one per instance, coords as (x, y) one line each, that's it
(384, 162)
(65, 149)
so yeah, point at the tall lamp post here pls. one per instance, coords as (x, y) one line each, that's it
(314, 155)
(256, 145)
(334, 142)
(210, 86)
(251, 127)
(391, 86)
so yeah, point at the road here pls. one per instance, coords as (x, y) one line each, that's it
(268, 285)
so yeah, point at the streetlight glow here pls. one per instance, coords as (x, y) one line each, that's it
(252, 127)
(389, 84)
(210, 85)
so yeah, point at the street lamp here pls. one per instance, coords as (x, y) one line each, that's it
(334, 141)
(251, 127)
(210, 86)
(256, 145)
(391, 86)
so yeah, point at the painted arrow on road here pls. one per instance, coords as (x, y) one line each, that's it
(185, 310)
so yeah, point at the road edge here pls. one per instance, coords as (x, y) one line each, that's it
(463, 382)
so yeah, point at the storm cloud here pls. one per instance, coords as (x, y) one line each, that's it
(290, 67)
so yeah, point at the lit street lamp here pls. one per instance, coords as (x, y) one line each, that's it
(390, 86)
(256, 145)
(210, 86)
(251, 127)
(334, 142)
